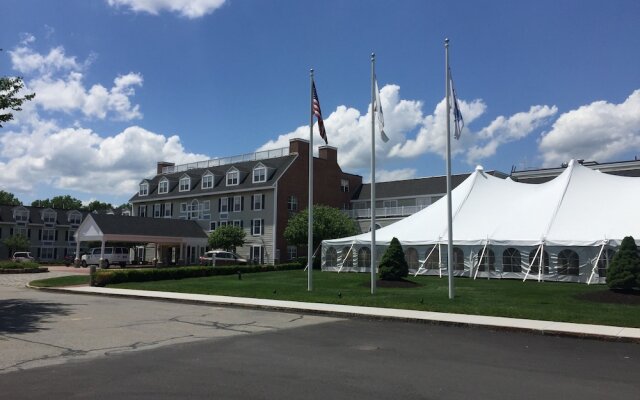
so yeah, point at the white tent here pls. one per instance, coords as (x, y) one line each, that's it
(564, 229)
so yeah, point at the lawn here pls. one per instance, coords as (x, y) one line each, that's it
(62, 281)
(507, 298)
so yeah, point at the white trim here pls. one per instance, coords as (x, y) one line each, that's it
(235, 172)
(183, 178)
(161, 183)
(207, 175)
(144, 192)
(259, 166)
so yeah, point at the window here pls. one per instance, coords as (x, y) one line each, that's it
(224, 223)
(223, 204)
(292, 203)
(206, 209)
(458, 259)
(487, 258)
(237, 203)
(237, 223)
(47, 253)
(511, 260)
(534, 261)
(257, 227)
(568, 263)
(70, 236)
(331, 257)
(142, 211)
(168, 208)
(604, 261)
(257, 201)
(48, 235)
(144, 189)
(207, 181)
(256, 254)
(212, 226)
(21, 215)
(195, 209)
(163, 186)
(233, 177)
(364, 257)
(157, 211)
(411, 256)
(259, 174)
(292, 252)
(433, 259)
(390, 203)
(344, 185)
(185, 184)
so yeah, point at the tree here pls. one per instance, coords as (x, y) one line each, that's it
(65, 202)
(328, 223)
(9, 199)
(393, 266)
(227, 238)
(624, 270)
(98, 206)
(9, 99)
(17, 243)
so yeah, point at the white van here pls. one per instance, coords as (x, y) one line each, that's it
(112, 256)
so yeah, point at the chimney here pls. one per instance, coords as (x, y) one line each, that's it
(328, 153)
(162, 164)
(299, 146)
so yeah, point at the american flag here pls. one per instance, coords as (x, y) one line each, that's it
(318, 113)
(458, 122)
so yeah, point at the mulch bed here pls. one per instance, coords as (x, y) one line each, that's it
(23, 270)
(394, 284)
(614, 297)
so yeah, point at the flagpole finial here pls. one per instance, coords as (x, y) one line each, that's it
(446, 41)
(311, 72)
(373, 56)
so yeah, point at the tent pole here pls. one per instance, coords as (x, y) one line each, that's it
(425, 260)
(439, 259)
(595, 262)
(529, 266)
(479, 261)
(313, 256)
(541, 263)
(345, 257)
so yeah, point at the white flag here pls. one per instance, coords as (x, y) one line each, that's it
(377, 108)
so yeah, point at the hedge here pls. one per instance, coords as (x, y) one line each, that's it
(18, 265)
(111, 277)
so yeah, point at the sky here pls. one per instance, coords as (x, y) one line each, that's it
(123, 84)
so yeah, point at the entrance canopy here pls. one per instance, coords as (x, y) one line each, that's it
(117, 228)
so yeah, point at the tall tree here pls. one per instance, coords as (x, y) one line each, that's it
(9, 98)
(328, 223)
(46, 203)
(9, 199)
(98, 206)
(17, 243)
(66, 202)
(227, 238)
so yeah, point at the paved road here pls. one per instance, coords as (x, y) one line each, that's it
(118, 348)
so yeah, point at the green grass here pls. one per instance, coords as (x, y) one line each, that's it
(62, 281)
(507, 298)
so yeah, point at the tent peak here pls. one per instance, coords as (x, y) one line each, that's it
(479, 168)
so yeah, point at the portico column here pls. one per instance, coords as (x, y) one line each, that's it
(76, 260)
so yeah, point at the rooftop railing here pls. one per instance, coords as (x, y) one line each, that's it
(216, 162)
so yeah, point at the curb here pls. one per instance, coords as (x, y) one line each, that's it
(371, 313)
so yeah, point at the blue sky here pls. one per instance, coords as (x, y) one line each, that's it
(122, 84)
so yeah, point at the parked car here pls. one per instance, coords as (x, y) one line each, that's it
(112, 256)
(221, 258)
(22, 256)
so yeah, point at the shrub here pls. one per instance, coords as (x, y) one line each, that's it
(107, 277)
(624, 269)
(18, 265)
(393, 266)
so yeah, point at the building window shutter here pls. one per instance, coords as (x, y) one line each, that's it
(10, 231)
(219, 204)
(56, 238)
(241, 223)
(38, 252)
(252, 227)
(29, 233)
(40, 234)
(230, 203)
(252, 201)
(66, 236)
(262, 226)
(262, 202)
(242, 203)
(55, 253)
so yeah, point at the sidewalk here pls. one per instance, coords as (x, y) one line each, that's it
(543, 327)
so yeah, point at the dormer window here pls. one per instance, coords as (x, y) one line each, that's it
(144, 189)
(233, 177)
(74, 218)
(163, 186)
(49, 217)
(185, 184)
(259, 174)
(21, 215)
(207, 181)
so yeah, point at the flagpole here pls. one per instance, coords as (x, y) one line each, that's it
(310, 209)
(373, 176)
(449, 213)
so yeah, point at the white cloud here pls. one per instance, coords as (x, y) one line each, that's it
(43, 154)
(599, 131)
(383, 175)
(504, 130)
(25, 60)
(186, 8)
